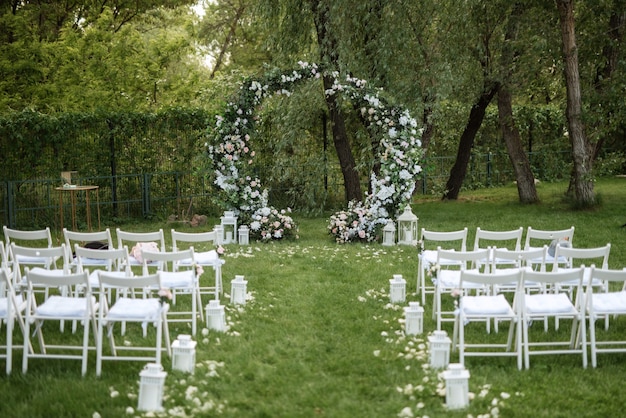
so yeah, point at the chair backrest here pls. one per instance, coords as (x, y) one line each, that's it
(209, 237)
(571, 254)
(145, 282)
(499, 239)
(555, 277)
(490, 280)
(82, 238)
(39, 238)
(606, 275)
(49, 254)
(4, 260)
(113, 259)
(131, 238)
(522, 258)
(454, 239)
(466, 259)
(44, 278)
(546, 236)
(167, 260)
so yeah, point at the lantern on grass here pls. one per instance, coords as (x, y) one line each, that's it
(407, 227)
(397, 289)
(215, 316)
(439, 347)
(229, 227)
(244, 235)
(219, 234)
(457, 391)
(413, 319)
(389, 234)
(151, 382)
(184, 354)
(238, 290)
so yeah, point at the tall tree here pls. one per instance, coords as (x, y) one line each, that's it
(582, 149)
(327, 44)
(526, 189)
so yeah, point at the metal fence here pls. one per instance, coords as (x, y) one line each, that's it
(30, 204)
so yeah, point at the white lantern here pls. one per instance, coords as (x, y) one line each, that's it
(439, 347)
(229, 227)
(238, 290)
(457, 391)
(244, 235)
(152, 379)
(184, 354)
(413, 319)
(397, 289)
(219, 234)
(215, 316)
(407, 227)
(389, 234)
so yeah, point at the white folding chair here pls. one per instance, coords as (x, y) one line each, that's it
(142, 310)
(603, 304)
(578, 256)
(448, 279)
(180, 280)
(428, 257)
(76, 303)
(12, 306)
(203, 256)
(73, 238)
(511, 240)
(558, 305)
(114, 261)
(48, 256)
(486, 307)
(537, 238)
(130, 239)
(524, 259)
(36, 239)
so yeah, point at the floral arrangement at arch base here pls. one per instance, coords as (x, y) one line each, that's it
(230, 157)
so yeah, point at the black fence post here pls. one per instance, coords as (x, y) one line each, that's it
(145, 195)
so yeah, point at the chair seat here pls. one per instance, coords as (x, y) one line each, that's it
(205, 258)
(4, 306)
(607, 303)
(49, 272)
(23, 259)
(64, 307)
(178, 279)
(137, 309)
(486, 305)
(549, 304)
(450, 279)
(430, 257)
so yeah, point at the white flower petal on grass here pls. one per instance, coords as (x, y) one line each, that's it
(205, 332)
(420, 405)
(376, 353)
(406, 413)
(130, 410)
(115, 394)
(505, 395)
(96, 415)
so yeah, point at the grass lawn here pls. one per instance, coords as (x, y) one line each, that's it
(318, 336)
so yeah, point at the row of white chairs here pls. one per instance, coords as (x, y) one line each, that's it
(449, 264)
(457, 240)
(69, 297)
(524, 309)
(180, 240)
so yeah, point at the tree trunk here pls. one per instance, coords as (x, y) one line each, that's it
(477, 114)
(328, 54)
(582, 151)
(526, 189)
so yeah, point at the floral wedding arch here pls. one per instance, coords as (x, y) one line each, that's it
(230, 157)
